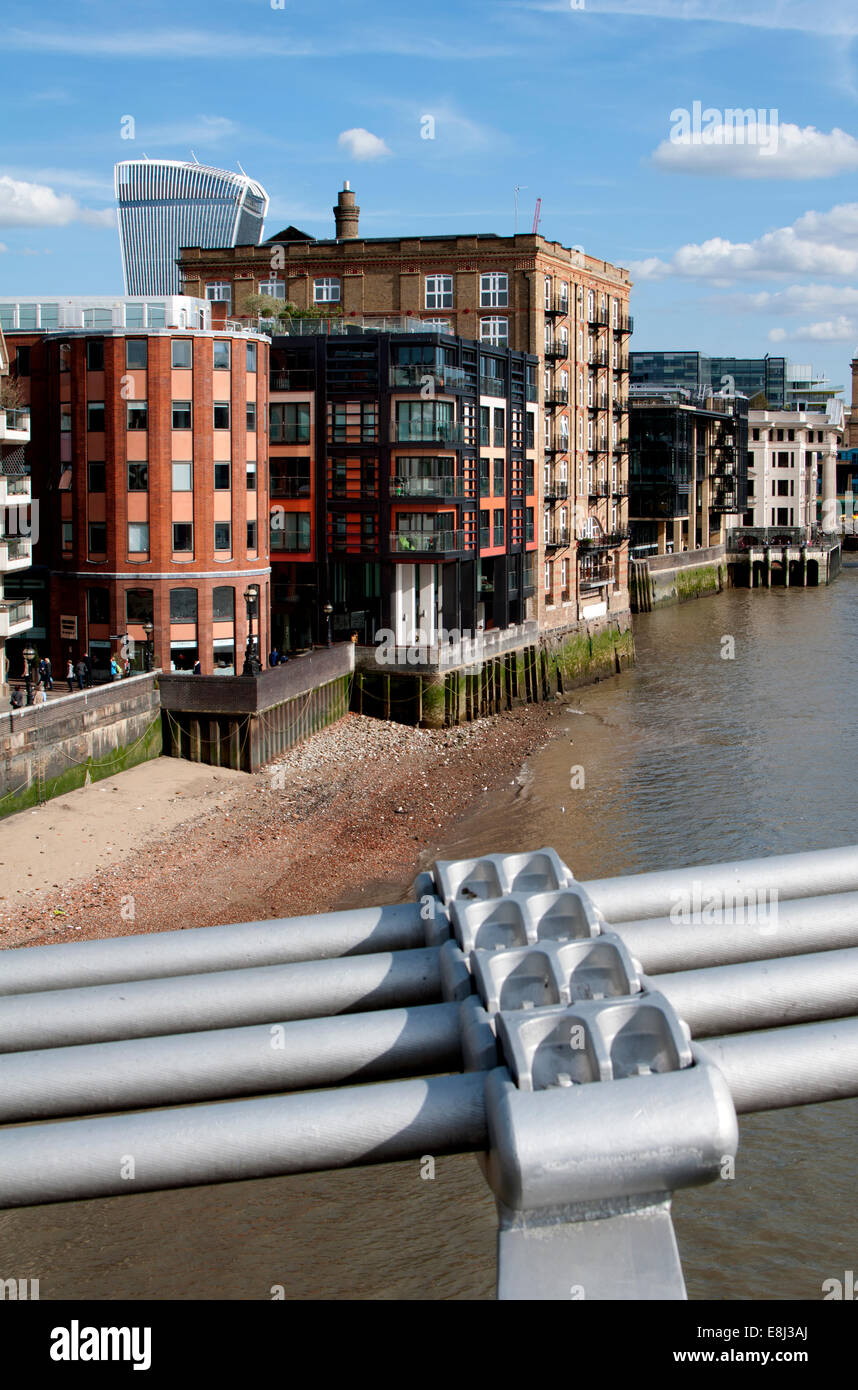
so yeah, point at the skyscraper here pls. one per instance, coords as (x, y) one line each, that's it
(164, 204)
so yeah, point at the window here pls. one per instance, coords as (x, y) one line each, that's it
(95, 417)
(273, 288)
(223, 604)
(221, 415)
(251, 357)
(98, 605)
(223, 535)
(138, 537)
(182, 354)
(436, 325)
(97, 538)
(421, 420)
(495, 331)
(251, 475)
(64, 351)
(546, 290)
(183, 605)
(138, 477)
(221, 355)
(326, 290)
(183, 536)
(290, 530)
(494, 291)
(439, 292)
(290, 477)
(65, 419)
(136, 352)
(139, 606)
(181, 415)
(94, 355)
(221, 477)
(251, 535)
(499, 418)
(183, 477)
(95, 476)
(498, 475)
(290, 424)
(219, 291)
(138, 415)
(250, 416)
(67, 535)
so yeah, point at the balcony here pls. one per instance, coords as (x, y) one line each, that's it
(556, 538)
(620, 446)
(599, 402)
(557, 307)
(422, 432)
(408, 544)
(556, 491)
(625, 324)
(437, 485)
(16, 616)
(619, 488)
(15, 489)
(556, 350)
(598, 446)
(16, 553)
(599, 318)
(724, 500)
(15, 426)
(492, 386)
(414, 376)
(599, 488)
(598, 358)
(621, 365)
(558, 395)
(556, 446)
(621, 405)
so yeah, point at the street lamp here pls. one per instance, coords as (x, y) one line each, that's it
(149, 629)
(29, 655)
(252, 665)
(328, 610)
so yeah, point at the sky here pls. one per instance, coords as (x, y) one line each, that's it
(435, 113)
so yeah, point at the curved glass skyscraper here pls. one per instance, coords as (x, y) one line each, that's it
(164, 204)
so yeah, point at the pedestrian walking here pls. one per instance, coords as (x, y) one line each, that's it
(45, 673)
(87, 668)
(80, 671)
(70, 675)
(114, 669)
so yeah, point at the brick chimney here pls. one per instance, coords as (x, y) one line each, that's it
(346, 214)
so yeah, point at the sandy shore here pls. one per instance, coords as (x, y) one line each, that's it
(172, 844)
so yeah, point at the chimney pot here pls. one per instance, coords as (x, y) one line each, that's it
(346, 214)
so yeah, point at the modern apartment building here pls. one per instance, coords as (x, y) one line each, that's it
(785, 385)
(148, 450)
(403, 484)
(163, 204)
(522, 292)
(792, 464)
(16, 614)
(687, 469)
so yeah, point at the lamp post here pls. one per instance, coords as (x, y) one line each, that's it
(29, 655)
(328, 610)
(252, 665)
(149, 655)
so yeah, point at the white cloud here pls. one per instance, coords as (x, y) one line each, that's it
(202, 130)
(835, 17)
(818, 243)
(839, 330)
(25, 204)
(801, 299)
(362, 144)
(774, 151)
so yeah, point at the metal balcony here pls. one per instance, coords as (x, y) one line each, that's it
(405, 544)
(599, 318)
(556, 539)
(557, 307)
(598, 403)
(16, 616)
(621, 405)
(625, 324)
(556, 350)
(557, 396)
(598, 358)
(556, 491)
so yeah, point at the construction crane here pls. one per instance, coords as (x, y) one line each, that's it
(537, 211)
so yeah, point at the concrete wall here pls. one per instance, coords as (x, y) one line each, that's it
(659, 580)
(46, 750)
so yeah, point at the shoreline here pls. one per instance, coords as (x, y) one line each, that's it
(357, 807)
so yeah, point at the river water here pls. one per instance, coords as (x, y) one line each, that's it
(689, 757)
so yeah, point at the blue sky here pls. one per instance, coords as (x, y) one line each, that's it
(733, 249)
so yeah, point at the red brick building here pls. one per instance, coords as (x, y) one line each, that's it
(149, 455)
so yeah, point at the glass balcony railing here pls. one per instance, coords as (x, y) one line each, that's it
(15, 548)
(426, 542)
(437, 485)
(415, 375)
(491, 386)
(427, 432)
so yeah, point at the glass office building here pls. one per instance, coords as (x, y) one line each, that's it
(165, 204)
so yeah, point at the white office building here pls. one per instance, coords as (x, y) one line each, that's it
(792, 458)
(165, 204)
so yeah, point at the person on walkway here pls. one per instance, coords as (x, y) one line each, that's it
(81, 673)
(114, 669)
(45, 673)
(70, 675)
(87, 668)
(274, 657)
(197, 667)
(16, 699)
(41, 696)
